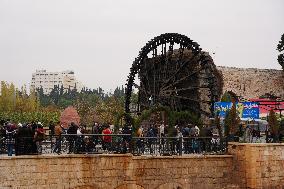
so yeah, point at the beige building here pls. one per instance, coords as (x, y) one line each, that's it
(47, 80)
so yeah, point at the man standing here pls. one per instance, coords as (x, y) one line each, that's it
(162, 130)
(72, 130)
(10, 138)
(126, 138)
(2, 136)
(58, 132)
(39, 137)
(95, 131)
(51, 131)
(186, 133)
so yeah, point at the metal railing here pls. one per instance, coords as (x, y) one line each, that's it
(117, 143)
(178, 145)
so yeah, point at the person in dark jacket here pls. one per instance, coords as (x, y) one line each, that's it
(26, 136)
(126, 139)
(72, 138)
(2, 136)
(150, 138)
(185, 134)
(33, 127)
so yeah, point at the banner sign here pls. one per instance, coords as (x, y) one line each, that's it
(221, 108)
(246, 110)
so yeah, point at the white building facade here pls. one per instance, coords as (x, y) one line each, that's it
(47, 80)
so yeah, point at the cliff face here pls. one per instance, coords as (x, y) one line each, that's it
(252, 82)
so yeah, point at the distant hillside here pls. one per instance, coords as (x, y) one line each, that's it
(253, 82)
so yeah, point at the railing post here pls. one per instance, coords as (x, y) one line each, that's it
(180, 145)
(131, 145)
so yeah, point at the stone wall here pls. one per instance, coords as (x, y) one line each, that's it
(258, 165)
(248, 166)
(252, 82)
(116, 172)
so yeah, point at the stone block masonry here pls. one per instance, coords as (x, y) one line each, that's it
(116, 172)
(249, 166)
(258, 165)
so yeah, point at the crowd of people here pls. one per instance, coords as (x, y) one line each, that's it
(181, 138)
(23, 139)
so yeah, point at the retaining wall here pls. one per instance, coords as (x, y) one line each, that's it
(258, 165)
(116, 172)
(248, 166)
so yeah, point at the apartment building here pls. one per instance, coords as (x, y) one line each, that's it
(47, 80)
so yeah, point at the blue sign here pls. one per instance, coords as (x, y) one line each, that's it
(246, 110)
(221, 108)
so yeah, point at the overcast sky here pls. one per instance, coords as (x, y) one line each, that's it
(100, 39)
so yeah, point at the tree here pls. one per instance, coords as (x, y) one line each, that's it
(118, 92)
(85, 110)
(61, 90)
(280, 48)
(217, 123)
(273, 125)
(33, 102)
(229, 96)
(8, 97)
(19, 106)
(109, 109)
(55, 94)
(231, 122)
